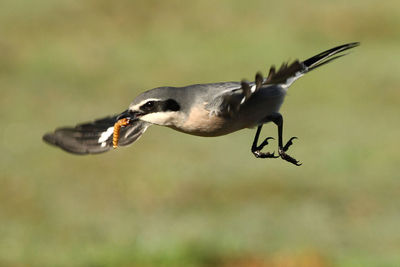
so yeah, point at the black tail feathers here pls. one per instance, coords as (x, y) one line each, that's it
(327, 56)
(288, 73)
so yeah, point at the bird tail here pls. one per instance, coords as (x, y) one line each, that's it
(288, 73)
(327, 56)
(94, 137)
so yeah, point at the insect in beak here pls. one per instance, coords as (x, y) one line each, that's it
(125, 118)
(117, 127)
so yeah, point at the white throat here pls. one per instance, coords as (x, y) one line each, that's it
(162, 118)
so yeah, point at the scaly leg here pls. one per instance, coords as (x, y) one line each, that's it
(257, 149)
(278, 120)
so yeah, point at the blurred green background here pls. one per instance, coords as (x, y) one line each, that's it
(177, 200)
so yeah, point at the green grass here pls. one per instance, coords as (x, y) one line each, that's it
(178, 200)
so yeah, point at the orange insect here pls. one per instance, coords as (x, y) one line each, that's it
(117, 128)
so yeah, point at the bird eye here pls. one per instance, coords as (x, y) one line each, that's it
(148, 105)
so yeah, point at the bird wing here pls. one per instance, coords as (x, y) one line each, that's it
(94, 137)
(234, 95)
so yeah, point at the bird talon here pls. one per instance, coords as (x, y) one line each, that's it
(288, 158)
(264, 143)
(273, 155)
(262, 155)
(289, 143)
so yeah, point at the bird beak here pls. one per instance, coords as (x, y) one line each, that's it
(130, 115)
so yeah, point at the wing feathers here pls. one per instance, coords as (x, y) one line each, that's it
(284, 73)
(94, 137)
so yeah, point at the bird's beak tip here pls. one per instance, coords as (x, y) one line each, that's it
(132, 116)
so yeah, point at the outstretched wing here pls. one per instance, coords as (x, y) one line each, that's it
(94, 137)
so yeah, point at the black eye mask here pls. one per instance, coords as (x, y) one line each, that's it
(160, 106)
(171, 105)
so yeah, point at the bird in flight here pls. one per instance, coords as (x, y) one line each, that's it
(211, 109)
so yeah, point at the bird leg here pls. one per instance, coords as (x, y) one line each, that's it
(257, 149)
(278, 120)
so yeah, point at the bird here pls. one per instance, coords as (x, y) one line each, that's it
(208, 110)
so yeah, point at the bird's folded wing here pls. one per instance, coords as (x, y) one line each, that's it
(228, 102)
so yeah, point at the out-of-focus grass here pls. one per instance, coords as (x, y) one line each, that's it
(178, 200)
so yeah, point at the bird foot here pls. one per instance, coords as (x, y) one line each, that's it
(284, 156)
(262, 155)
(257, 150)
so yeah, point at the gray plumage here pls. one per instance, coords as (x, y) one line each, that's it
(212, 109)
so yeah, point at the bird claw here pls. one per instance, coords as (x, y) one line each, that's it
(264, 143)
(289, 143)
(282, 151)
(288, 158)
(257, 150)
(262, 155)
